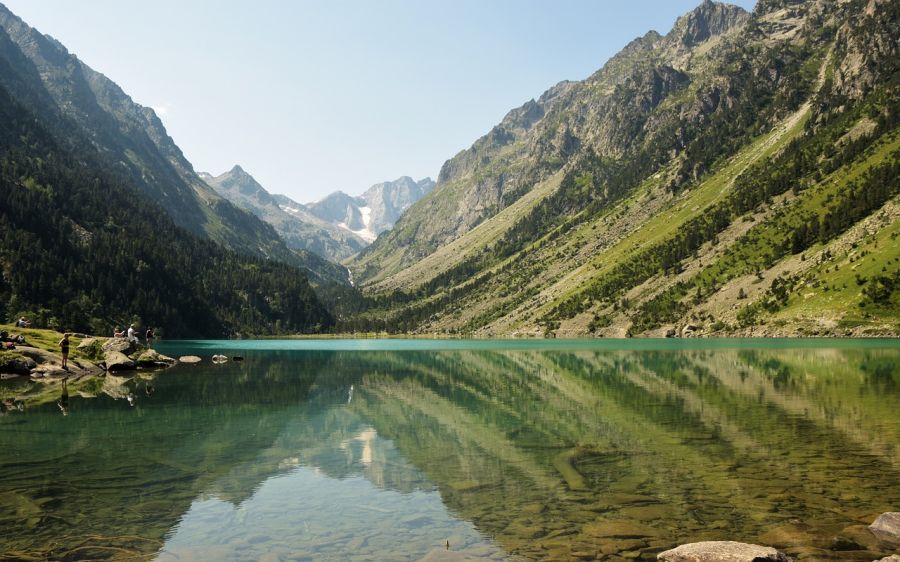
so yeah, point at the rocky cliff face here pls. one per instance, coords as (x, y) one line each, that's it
(299, 228)
(612, 114)
(376, 210)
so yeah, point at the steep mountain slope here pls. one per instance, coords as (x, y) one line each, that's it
(704, 181)
(299, 228)
(376, 210)
(84, 107)
(81, 249)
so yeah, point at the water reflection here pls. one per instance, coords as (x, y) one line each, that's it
(531, 454)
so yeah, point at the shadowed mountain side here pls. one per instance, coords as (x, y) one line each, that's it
(82, 107)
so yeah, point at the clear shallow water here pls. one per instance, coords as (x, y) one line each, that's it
(505, 450)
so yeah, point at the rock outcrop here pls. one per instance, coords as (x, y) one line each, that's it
(887, 527)
(722, 551)
(122, 345)
(118, 361)
(154, 359)
(17, 365)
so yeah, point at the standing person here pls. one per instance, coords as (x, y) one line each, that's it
(132, 333)
(149, 337)
(64, 351)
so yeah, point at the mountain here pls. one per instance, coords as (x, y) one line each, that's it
(296, 225)
(82, 106)
(736, 175)
(104, 223)
(376, 210)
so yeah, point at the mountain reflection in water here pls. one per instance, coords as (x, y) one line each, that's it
(500, 453)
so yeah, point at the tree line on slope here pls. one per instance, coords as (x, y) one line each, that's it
(82, 249)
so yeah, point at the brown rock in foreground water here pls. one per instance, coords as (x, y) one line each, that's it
(722, 551)
(887, 527)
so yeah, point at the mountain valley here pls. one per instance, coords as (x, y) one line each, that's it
(737, 176)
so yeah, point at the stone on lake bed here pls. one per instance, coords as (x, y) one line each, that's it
(722, 551)
(189, 359)
(860, 535)
(891, 558)
(887, 527)
(620, 528)
(797, 534)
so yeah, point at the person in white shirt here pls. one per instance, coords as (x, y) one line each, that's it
(132, 333)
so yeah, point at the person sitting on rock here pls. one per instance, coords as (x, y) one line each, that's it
(118, 333)
(22, 322)
(64, 351)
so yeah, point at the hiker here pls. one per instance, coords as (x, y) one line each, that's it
(132, 333)
(149, 337)
(64, 351)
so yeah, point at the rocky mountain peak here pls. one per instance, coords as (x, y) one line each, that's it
(707, 20)
(237, 180)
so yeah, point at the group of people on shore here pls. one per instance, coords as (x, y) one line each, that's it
(132, 335)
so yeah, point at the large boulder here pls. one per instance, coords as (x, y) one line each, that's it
(152, 358)
(122, 345)
(39, 356)
(118, 361)
(86, 343)
(722, 551)
(15, 364)
(887, 527)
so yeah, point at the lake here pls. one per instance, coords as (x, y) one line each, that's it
(453, 450)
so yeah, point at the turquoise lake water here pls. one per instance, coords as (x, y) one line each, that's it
(460, 449)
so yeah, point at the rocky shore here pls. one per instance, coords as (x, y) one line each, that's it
(32, 371)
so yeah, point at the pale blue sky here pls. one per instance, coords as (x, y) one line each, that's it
(311, 97)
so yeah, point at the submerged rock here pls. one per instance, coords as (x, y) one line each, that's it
(891, 558)
(887, 527)
(722, 551)
(620, 528)
(189, 359)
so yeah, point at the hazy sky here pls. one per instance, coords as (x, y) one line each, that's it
(312, 97)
